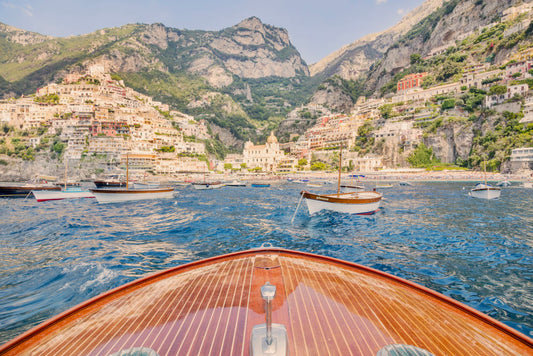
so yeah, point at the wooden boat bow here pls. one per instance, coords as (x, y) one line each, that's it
(327, 306)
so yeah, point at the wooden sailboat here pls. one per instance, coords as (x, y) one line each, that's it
(270, 301)
(362, 202)
(118, 195)
(485, 190)
(207, 185)
(22, 190)
(68, 192)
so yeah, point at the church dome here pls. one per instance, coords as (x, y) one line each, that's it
(272, 138)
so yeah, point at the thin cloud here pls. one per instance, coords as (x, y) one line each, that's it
(381, 1)
(27, 9)
(402, 12)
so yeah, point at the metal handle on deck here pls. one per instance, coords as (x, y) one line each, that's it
(275, 343)
(268, 292)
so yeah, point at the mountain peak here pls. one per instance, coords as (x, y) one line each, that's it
(251, 23)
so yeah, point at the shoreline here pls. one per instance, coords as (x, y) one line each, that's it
(452, 176)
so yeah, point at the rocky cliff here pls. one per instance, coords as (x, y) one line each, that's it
(452, 22)
(355, 59)
(249, 49)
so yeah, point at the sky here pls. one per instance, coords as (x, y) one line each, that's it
(316, 28)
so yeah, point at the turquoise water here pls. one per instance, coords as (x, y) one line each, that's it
(57, 254)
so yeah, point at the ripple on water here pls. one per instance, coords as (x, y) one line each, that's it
(58, 254)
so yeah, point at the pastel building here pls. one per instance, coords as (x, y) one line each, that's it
(411, 81)
(267, 156)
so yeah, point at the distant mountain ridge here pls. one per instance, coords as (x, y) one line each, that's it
(175, 66)
(249, 49)
(246, 79)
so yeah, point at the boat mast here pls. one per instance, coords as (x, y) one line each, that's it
(340, 168)
(66, 169)
(127, 171)
(485, 171)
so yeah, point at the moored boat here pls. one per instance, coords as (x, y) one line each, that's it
(119, 195)
(503, 183)
(275, 302)
(314, 184)
(207, 185)
(111, 181)
(69, 193)
(71, 190)
(360, 203)
(485, 191)
(236, 183)
(17, 190)
(260, 185)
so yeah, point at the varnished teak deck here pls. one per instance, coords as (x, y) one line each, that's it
(329, 307)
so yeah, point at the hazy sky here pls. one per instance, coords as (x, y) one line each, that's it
(316, 27)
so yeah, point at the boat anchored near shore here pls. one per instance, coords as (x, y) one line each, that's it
(118, 195)
(360, 202)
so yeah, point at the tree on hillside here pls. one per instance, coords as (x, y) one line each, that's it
(422, 156)
(498, 90)
(415, 58)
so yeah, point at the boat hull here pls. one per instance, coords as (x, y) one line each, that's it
(22, 191)
(123, 195)
(486, 193)
(361, 203)
(206, 186)
(45, 195)
(328, 307)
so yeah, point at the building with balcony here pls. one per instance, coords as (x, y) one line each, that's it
(522, 158)
(411, 81)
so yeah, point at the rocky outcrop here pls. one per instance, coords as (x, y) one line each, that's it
(452, 140)
(353, 60)
(15, 35)
(449, 24)
(249, 49)
(333, 98)
(252, 49)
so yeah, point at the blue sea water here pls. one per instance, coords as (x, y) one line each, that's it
(57, 254)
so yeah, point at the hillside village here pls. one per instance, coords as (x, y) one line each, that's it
(92, 116)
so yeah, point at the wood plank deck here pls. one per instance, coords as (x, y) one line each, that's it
(328, 307)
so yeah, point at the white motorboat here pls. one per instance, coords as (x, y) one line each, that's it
(485, 191)
(503, 183)
(69, 193)
(236, 183)
(207, 185)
